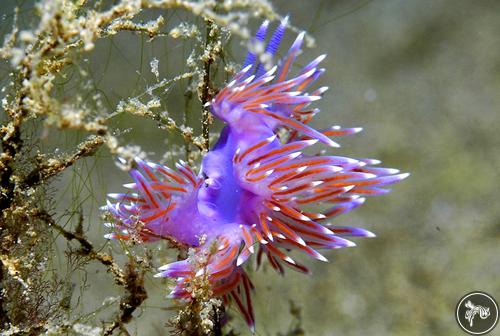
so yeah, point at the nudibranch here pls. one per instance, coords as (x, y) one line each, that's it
(257, 191)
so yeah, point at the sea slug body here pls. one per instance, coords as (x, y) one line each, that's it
(257, 191)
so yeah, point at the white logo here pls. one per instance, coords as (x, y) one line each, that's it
(474, 310)
(477, 313)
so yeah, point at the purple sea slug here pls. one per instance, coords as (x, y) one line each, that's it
(257, 191)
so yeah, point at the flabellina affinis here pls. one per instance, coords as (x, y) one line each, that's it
(257, 191)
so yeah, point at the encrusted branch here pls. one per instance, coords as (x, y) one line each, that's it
(206, 93)
(87, 249)
(12, 141)
(136, 294)
(130, 279)
(52, 167)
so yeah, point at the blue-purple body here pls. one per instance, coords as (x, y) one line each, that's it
(256, 188)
